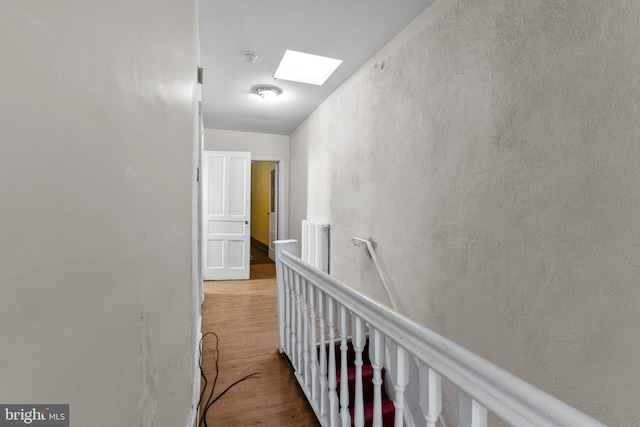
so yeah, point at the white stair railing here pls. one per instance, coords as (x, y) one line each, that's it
(312, 302)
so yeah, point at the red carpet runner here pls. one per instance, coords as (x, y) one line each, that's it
(388, 410)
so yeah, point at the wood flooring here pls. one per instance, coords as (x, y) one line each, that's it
(259, 256)
(244, 315)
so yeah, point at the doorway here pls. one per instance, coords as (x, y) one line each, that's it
(225, 245)
(264, 210)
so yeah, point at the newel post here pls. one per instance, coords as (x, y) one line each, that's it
(293, 247)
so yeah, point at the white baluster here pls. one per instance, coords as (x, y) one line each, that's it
(287, 310)
(430, 394)
(333, 394)
(402, 378)
(293, 337)
(470, 412)
(305, 335)
(344, 379)
(376, 354)
(357, 337)
(313, 343)
(322, 349)
(298, 365)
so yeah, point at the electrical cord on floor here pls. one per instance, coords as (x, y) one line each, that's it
(204, 412)
(203, 415)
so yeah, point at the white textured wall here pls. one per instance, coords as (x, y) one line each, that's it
(491, 151)
(97, 132)
(263, 144)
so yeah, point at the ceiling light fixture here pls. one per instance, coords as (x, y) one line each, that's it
(306, 68)
(250, 57)
(268, 92)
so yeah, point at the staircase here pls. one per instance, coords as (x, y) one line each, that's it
(388, 409)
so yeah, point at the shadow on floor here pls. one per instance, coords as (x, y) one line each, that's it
(259, 256)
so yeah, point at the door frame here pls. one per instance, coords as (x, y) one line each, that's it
(273, 207)
(282, 230)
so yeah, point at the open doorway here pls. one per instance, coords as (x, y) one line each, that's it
(264, 211)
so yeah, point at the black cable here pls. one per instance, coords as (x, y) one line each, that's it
(203, 415)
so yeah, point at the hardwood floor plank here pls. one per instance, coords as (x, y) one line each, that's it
(244, 315)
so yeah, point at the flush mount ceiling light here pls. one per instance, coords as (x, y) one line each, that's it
(306, 68)
(268, 92)
(249, 57)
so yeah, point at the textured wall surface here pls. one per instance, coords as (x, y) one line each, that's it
(258, 143)
(491, 151)
(98, 116)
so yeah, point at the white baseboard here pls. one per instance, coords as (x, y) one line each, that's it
(192, 421)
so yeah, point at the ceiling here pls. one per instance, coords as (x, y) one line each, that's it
(352, 31)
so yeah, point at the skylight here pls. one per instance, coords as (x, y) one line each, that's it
(306, 68)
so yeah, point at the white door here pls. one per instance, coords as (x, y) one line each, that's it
(227, 211)
(273, 210)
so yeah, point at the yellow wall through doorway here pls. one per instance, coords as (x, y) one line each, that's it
(260, 201)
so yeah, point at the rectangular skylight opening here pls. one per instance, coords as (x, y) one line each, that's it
(306, 68)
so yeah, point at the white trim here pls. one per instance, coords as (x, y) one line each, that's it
(200, 189)
(196, 269)
(195, 397)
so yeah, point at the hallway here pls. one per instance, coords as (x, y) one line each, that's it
(244, 316)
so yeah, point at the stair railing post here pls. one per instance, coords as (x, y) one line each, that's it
(344, 378)
(333, 393)
(305, 335)
(293, 247)
(402, 379)
(293, 320)
(376, 354)
(322, 351)
(299, 360)
(287, 280)
(313, 343)
(430, 394)
(357, 336)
